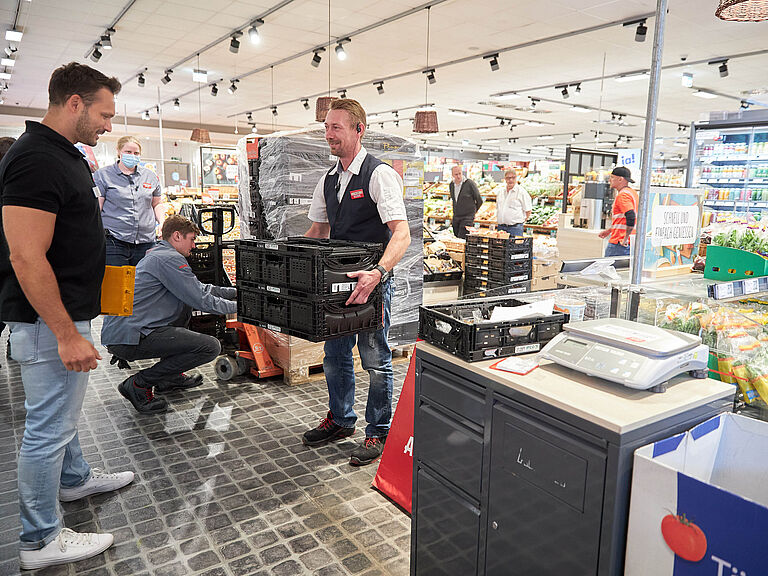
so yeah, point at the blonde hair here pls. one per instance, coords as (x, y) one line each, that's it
(510, 172)
(178, 223)
(353, 108)
(125, 140)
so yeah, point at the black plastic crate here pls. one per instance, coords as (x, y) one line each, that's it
(500, 266)
(309, 318)
(478, 244)
(303, 265)
(498, 276)
(464, 329)
(485, 289)
(499, 257)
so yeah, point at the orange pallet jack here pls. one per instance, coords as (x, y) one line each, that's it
(250, 355)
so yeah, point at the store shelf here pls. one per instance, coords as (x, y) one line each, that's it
(725, 203)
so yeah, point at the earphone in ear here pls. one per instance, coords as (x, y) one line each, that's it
(359, 128)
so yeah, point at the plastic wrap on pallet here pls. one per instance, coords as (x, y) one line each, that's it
(276, 203)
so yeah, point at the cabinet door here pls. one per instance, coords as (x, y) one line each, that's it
(447, 529)
(545, 499)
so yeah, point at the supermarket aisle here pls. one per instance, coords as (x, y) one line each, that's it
(224, 485)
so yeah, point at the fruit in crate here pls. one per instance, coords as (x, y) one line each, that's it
(440, 265)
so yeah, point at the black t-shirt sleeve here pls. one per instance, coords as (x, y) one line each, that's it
(28, 186)
(630, 216)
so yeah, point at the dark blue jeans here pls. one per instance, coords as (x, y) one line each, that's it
(616, 250)
(376, 358)
(513, 229)
(121, 253)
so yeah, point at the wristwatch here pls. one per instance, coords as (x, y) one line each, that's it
(384, 273)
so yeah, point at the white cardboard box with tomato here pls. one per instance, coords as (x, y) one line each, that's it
(699, 503)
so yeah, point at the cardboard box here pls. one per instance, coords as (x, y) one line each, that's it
(548, 283)
(457, 256)
(699, 504)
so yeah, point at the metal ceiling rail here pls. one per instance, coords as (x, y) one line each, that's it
(443, 64)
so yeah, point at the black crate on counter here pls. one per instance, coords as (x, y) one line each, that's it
(486, 267)
(309, 317)
(299, 265)
(483, 289)
(477, 244)
(464, 329)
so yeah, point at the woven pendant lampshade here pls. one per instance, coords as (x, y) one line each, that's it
(322, 106)
(425, 122)
(743, 10)
(201, 135)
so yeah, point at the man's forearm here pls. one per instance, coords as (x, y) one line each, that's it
(39, 285)
(396, 248)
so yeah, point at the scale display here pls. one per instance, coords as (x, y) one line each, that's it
(632, 354)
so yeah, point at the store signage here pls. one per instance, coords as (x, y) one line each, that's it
(674, 225)
(630, 158)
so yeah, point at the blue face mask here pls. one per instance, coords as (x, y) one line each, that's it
(130, 161)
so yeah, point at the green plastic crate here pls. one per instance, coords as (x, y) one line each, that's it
(733, 264)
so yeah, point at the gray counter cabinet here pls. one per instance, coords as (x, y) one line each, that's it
(506, 484)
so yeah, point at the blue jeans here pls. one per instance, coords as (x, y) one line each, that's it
(50, 454)
(513, 229)
(616, 250)
(376, 358)
(121, 253)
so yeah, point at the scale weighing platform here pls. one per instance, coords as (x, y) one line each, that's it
(635, 355)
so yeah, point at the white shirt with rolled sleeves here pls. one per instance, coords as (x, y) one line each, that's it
(512, 206)
(385, 188)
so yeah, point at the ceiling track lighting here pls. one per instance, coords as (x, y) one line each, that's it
(342, 93)
(13, 35)
(493, 61)
(563, 90)
(253, 31)
(534, 101)
(145, 115)
(176, 104)
(233, 86)
(249, 117)
(274, 110)
(642, 30)
(214, 89)
(316, 58)
(744, 105)
(167, 78)
(379, 87)
(341, 54)
(10, 51)
(430, 75)
(578, 88)
(96, 53)
(106, 38)
(305, 103)
(234, 43)
(723, 66)
(140, 80)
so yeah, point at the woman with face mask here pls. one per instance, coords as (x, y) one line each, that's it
(130, 199)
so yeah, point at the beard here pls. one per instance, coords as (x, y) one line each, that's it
(85, 131)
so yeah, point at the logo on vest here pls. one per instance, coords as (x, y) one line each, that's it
(355, 194)
(147, 185)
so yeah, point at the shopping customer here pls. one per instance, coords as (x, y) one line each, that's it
(513, 206)
(51, 267)
(359, 199)
(624, 213)
(5, 145)
(130, 204)
(465, 201)
(165, 293)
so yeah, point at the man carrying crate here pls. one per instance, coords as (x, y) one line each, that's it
(360, 199)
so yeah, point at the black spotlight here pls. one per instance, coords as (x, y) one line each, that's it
(305, 103)
(167, 78)
(723, 68)
(176, 104)
(431, 75)
(96, 54)
(316, 58)
(342, 93)
(564, 92)
(493, 60)
(249, 117)
(744, 105)
(274, 110)
(379, 87)
(578, 88)
(234, 45)
(214, 89)
(141, 80)
(233, 86)
(641, 32)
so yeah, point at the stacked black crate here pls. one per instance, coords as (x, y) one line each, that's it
(497, 266)
(280, 186)
(299, 286)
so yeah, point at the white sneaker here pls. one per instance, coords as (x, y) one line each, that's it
(98, 482)
(68, 546)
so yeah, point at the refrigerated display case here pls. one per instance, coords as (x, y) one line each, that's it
(730, 159)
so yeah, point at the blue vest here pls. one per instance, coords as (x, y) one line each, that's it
(355, 217)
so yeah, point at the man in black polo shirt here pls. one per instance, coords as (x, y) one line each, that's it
(52, 255)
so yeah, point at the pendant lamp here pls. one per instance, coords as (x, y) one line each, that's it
(322, 106)
(425, 121)
(200, 135)
(743, 10)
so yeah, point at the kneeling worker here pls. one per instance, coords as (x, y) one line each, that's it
(165, 293)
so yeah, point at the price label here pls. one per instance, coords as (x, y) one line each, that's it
(724, 290)
(751, 286)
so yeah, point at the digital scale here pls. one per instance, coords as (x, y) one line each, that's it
(635, 355)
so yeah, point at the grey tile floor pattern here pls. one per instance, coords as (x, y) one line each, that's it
(223, 484)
